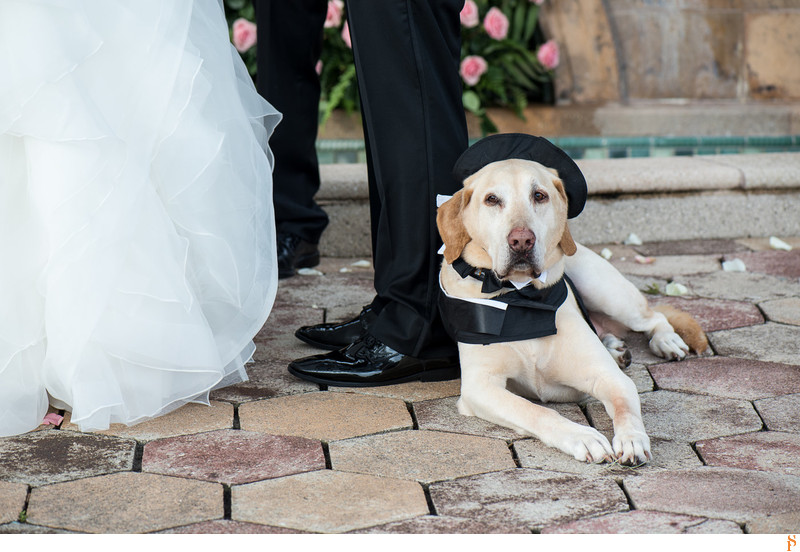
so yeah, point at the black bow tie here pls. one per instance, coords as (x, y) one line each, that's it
(491, 283)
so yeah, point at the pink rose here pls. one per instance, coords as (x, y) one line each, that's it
(472, 67)
(346, 35)
(469, 14)
(334, 16)
(244, 34)
(538, 2)
(496, 24)
(318, 67)
(548, 54)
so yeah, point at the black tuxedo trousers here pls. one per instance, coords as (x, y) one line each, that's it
(407, 55)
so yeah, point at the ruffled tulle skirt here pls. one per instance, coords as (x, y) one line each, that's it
(137, 239)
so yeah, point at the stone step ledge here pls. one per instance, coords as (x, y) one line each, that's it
(652, 175)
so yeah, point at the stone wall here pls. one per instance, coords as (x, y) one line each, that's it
(631, 50)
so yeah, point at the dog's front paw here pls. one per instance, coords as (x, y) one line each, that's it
(669, 345)
(586, 444)
(619, 351)
(632, 447)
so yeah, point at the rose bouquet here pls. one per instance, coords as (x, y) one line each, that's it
(505, 60)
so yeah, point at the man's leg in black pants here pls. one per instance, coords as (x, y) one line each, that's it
(407, 56)
(289, 45)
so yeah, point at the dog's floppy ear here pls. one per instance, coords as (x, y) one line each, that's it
(567, 243)
(451, 228)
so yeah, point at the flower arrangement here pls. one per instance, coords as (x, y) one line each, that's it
(505, 61)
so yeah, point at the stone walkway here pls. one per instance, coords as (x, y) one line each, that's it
(279, 455)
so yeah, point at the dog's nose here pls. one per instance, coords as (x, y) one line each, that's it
(521, 240)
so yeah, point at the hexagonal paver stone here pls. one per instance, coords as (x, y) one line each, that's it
(785, 311)
(51, 456)
(233, 457)
(780, 413)
(777, 263)
(125, 503)
(762, 244)
(433, 525)
(765, 451)
(645, 522)
(424, 456)
(324, 415)
(742, 286)
(668, 266)
(190, 418)
(723, 493)
(228, 527)
(328, 501)
(769, 342)
(17, 528)
(527, 497)
(443, 415)
(667, 455)
(268, 378)
(686, 418)
(733, 378)
(691, 247)
(12, 500)
(714, 314)
(413, 391)
(775, 523)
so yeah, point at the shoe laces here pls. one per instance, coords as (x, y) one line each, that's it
(363, 346)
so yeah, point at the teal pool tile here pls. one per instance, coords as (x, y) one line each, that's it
(720, 141)
(675, 141)
(662, 152)
(595, 153)
(640, 152)
(325, 157)
(707, 151)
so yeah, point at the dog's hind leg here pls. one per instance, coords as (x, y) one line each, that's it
(618, 349)
(605, 290)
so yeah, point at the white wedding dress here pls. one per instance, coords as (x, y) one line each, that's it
(137, 239)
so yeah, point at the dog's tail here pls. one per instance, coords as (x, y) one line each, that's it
(686, 327)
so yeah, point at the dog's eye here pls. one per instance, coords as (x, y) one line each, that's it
(492, 200)
(539, 197)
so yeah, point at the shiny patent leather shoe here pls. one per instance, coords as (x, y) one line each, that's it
(368, 362)
(339, 334)
(294, 253)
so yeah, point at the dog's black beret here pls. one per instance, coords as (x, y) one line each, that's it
(499, 147)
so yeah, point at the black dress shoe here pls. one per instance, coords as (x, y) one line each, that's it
(339, 334)
(294, 253)
(368, 363)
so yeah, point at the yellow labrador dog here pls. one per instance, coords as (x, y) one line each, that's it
(509, 223)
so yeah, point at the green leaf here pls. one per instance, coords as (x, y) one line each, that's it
(530, 23)
(471, 101)
(235, 4)
(337, 94)
(653, 289)
(517, 21)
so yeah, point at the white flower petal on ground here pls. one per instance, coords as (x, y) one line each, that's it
(734, 265)
(777, 243)
(632, 239)
(675, 289)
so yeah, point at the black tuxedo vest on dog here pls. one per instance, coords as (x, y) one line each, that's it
(529, 312)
